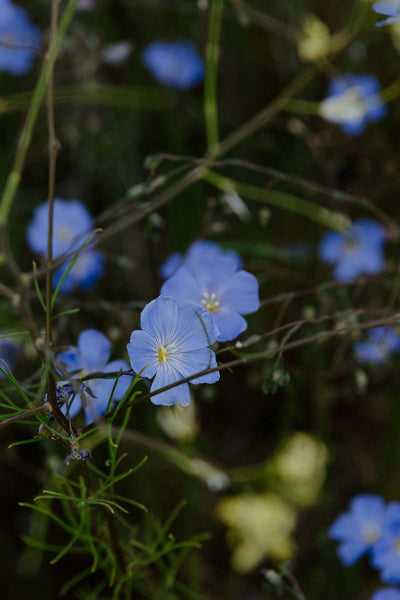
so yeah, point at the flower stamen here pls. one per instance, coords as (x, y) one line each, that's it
(210, 302)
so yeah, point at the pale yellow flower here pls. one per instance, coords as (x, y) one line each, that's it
(301, 466)
(260, 525)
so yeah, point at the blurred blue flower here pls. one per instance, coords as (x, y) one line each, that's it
(197, 250)
(389, 8)
(90, 356)
(388, 593)
(212, 283)
(386, 553)
(173, 344)
(382, 341)
(72, 223)
(353, 101)
(356, 252)
(175, 64)
(16, 31)
(359, 529)
(8, 352)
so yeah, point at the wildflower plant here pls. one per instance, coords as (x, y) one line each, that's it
(242, 170)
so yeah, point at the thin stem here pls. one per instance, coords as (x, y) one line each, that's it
(210, 79)
(14, 177)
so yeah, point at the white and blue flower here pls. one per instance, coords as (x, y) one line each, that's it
(213, 284)
(382, 342)
(173, 344)
(72, 224)
(352, 102)
(356, 252)
(359, 529)
(91, 356)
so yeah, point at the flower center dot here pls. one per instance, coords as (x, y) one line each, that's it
(371, 533)
(163, 354)
(210, 302)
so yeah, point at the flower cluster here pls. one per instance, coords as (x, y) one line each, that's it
(371, 527)
(356, 252)
(72, 223)
(175, 64)
(382, 342)
(18, 37)
(388, 8)
(352, 102)
(91, 356)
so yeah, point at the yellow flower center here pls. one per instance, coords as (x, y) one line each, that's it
(163, 354)
(210, 302)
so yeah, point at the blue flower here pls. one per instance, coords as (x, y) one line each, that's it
(8, 352)
(90, 356)
(381, 343)
(16, 30)
(353, 101)
(213, 284)
(389, 8)
(173, 344)
(359, 529)
(72, 223)
(358, 251)
(386, 553)
(175, 64)
(388, 593)
(196, 250)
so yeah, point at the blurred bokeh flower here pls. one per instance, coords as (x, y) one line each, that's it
(260, 525)
(18, 38)
(175, 64)
(315, 41)
(388, 593)
(117, 53)
(196, 250)
(353, 101)
(356, 252)
(213, 284)
(389, 8)
(8, 352)
(301, 466)
(72, 223)
(360, 528)
(382, 342)
(177, 422)
(385, 553)
(90, 356)
(173, 344)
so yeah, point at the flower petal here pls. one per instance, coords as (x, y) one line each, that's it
(94, 348)
(159, 318)
(229, 324)
(212, 273)
(177, 395)
(195, 329)
(142, 353)
(196, 361)
(183, 287)
(240, 294)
